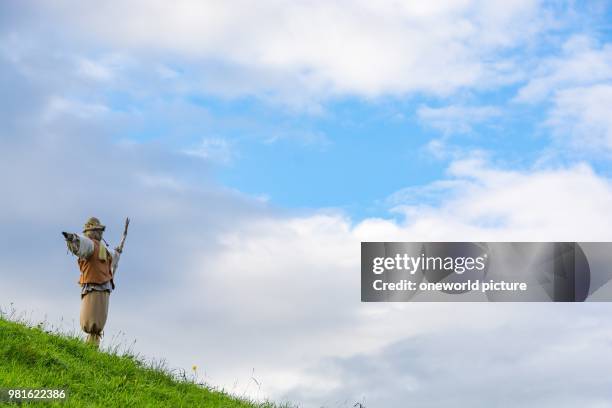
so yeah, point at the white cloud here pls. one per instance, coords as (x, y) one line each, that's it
(577, 85)
(160, 181)
(215, 149)
(456, 118)
(583, 62)
(514, 363)
(485, 203)
(94, 70)
(58, 106)
(316, 49)
(581, 117)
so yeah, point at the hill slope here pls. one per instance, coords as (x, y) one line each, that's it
(33, 358)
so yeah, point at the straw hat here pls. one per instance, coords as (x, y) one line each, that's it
(93, 224)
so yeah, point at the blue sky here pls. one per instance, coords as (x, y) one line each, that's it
(343, 149)
(255, 148)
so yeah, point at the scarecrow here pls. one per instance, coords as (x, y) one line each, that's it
(98, 268)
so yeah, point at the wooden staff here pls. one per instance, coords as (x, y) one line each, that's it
(119, 248)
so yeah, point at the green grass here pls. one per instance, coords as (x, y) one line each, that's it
(31, 357)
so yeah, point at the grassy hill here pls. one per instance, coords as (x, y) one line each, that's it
(30, 357)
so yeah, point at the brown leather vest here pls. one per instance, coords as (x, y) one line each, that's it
(94, 269)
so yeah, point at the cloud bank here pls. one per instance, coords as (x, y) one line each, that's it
(299, 51)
